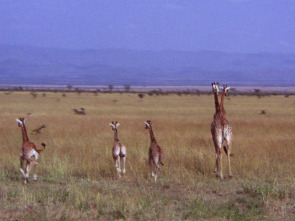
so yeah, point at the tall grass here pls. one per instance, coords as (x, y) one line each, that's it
(77, 177)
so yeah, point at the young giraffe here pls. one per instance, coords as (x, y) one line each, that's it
(224, 93)
(119, 151)
(155, 152)
(215, 87)
(228, 134)
(28, 151)
(221, 131)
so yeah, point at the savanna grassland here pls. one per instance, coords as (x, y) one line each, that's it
(78, 180)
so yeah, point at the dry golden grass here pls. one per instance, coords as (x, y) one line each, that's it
(77, 177)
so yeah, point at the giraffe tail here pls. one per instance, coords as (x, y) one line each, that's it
(226, 152)
(161, 161)
(44, 145)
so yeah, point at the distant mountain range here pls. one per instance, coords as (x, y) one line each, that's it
(20, 65)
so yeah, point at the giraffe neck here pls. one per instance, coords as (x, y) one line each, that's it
(116, 139)
(24, 133)
(217, 106)
(222, 102)
(153, 139)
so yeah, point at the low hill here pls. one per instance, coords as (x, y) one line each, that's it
(32, 65)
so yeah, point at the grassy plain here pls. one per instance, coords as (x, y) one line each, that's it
(77, 178)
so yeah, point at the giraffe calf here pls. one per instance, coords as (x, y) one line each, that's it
(119, 151)
(155, 152)
(29, 153)
(221, 131)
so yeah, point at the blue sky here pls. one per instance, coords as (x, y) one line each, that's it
(222, 25)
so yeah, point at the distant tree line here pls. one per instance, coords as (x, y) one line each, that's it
(127, 89)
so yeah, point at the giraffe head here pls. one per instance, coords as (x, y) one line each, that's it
(226, 89)
(114, 125)
(215, 87)
(148, 124)
(21, 121)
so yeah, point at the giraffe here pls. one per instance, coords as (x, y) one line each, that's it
(221, 131)
(215, 87)
(28, 151)
(224, 93)
(155, 152)
(119, 150)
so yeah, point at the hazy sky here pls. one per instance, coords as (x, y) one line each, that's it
(226, 25)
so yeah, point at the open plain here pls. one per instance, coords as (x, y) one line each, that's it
(77, 179)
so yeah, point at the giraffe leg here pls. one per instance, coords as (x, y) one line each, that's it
(217, 140)
(156, 167)
(24, 170)
(27, 172)
(119, 167)
(116, 163)
(228, 160)
(35, 167)
(151, 166)
(227, 148)
(22, 166)
(124, 160)
(24, 174)
(229, 166)
(35, 170)
(216, 165)
(152, 169)
(157, 171)
(220, 164)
